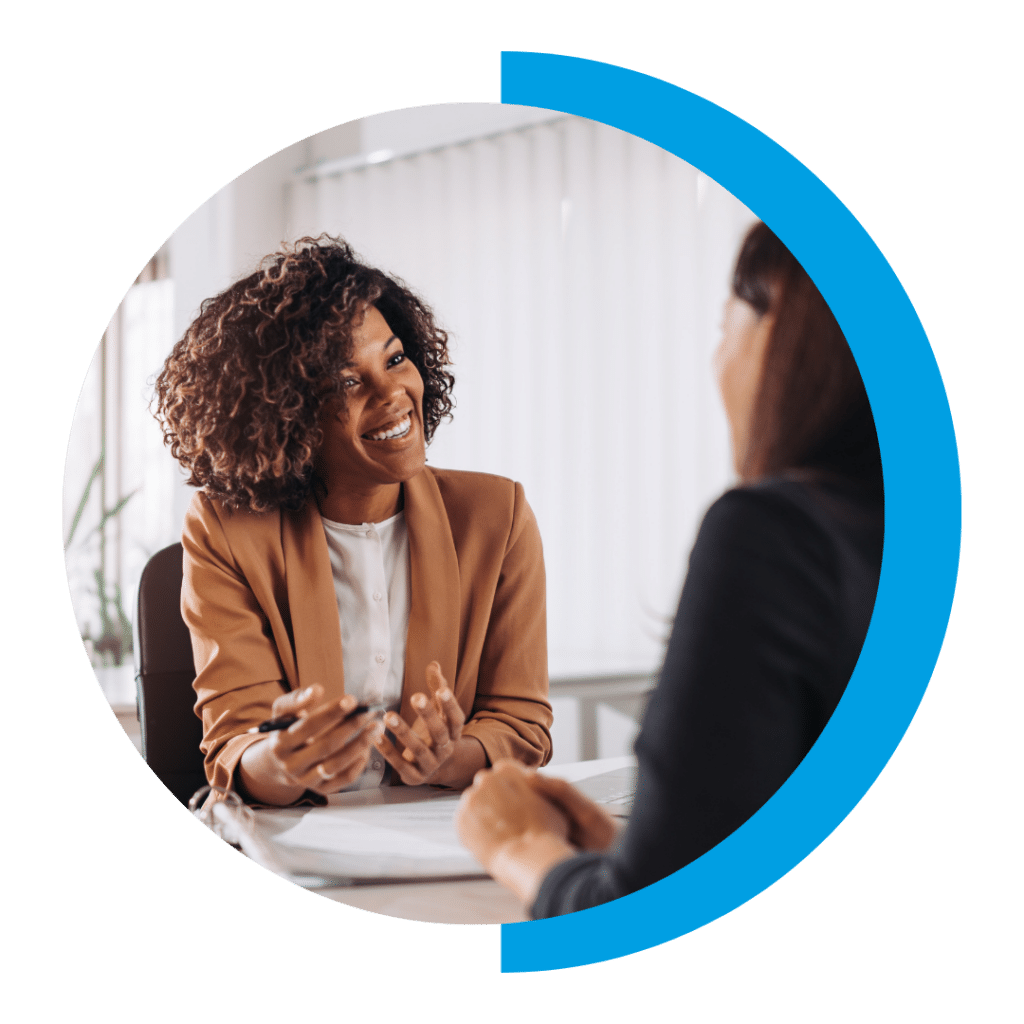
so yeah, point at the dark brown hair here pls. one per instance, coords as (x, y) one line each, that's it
(811, 409)
(240, 395)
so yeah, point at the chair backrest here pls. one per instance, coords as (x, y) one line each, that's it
(171, 731)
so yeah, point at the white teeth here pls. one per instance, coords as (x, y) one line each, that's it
(400, 429)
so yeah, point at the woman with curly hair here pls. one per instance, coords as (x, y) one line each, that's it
(325, 565)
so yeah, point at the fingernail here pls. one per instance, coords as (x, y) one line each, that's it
(307, 693)
(419, 701)
(348, 702)
(393, 719)
(445, 694)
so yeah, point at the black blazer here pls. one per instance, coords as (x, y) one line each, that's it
(773, 614)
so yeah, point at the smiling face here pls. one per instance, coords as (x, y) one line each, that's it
(739, 362)
(373, 437)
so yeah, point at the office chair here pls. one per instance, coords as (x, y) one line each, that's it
(171, 731)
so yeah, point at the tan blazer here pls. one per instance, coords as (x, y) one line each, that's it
(258, 597)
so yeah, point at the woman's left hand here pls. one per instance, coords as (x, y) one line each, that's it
(433, 748)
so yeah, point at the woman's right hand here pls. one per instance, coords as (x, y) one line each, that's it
(321, 751)
(591, 827)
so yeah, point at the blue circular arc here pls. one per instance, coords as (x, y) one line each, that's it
(922, 506)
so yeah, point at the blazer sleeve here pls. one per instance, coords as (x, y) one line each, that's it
(511, 713)
(238, 671)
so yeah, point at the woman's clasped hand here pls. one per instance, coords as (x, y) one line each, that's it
(518, 824)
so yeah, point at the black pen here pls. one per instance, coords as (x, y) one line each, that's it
(274, 724)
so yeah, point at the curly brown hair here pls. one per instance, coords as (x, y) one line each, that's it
(240, 395)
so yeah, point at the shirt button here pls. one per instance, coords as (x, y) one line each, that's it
(380, 659)
(377, 595)
(369, 533)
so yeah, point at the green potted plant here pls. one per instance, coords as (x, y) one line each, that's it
(113, 645)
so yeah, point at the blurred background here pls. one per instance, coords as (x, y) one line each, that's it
(581, 274)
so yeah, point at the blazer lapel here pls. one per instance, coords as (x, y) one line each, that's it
(435, 589)
(312, 601)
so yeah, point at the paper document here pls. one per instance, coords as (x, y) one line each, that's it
(371, 835)
(423, 831)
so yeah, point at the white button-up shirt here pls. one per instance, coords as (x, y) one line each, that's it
(370, 565)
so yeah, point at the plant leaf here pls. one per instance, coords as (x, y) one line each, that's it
(84, 500)
(110, 514)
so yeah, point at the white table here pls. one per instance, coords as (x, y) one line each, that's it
(452, 901)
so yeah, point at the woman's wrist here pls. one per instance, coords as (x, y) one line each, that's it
(467, 759)
(521, 864)
(260, 780)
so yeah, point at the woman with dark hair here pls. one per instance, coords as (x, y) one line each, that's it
(772, 617)
(325, 566)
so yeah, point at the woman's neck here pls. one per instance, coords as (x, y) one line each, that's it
(355, 508)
